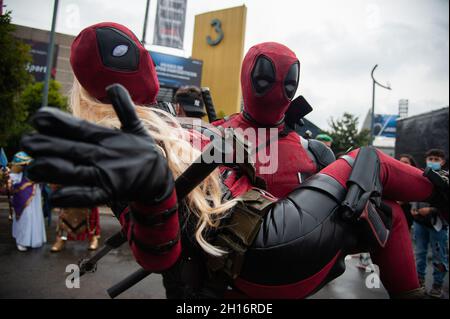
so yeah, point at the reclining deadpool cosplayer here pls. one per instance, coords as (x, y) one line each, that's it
(228, 237)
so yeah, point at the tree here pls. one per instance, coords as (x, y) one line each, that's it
(20, 96)
(14, 56)
(31, 100)
(345, 135)
(32, 96)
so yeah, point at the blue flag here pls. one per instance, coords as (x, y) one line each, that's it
(3, 158)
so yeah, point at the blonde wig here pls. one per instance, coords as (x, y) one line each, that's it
(175, 143)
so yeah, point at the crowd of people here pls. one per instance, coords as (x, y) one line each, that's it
(29, 202)
(235, 229)
(429, 229)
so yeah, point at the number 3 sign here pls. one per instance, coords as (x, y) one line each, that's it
(217, 24)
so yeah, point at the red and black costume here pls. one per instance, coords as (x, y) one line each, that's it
(301, 241)
(302, 236)
(301, 244)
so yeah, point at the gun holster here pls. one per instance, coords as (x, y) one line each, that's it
(363, 205)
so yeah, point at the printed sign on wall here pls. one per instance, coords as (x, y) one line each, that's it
(170, 23)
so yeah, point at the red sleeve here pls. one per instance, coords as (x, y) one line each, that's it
(218, 122)
(221, 122)
(153, 233)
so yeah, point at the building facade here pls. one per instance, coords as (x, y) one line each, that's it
(39, 40)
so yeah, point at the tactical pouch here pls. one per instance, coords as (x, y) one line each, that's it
(240, 232)
(376, 223)
(363, 205)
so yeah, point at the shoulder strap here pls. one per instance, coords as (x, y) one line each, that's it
(305, 144)
(322, 154)
(350, 160)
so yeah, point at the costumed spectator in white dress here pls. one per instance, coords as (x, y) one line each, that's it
(28, 223)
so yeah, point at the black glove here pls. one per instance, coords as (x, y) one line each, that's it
(97, 165)
(439, 198)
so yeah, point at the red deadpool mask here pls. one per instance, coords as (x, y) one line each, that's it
(108, 53)
(269, 79)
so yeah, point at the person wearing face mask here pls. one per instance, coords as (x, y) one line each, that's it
(435, 159)
(431, 229)
(269, 80)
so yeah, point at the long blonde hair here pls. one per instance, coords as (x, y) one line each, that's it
(175, 143)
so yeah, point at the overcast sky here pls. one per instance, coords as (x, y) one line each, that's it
(337, 42)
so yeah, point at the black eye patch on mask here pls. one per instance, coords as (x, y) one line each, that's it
(263, 75)
(291, 80)
(117, 50)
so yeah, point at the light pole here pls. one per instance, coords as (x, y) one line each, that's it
(51, 45)
(144, 32)
(387, 87)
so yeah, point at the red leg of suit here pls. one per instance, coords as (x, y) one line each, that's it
(396, 260)
(403, 183)
(400, 182)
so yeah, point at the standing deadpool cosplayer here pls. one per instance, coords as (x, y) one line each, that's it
(227, 237)
(269, 79)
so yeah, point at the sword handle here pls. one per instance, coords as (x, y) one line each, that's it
(90, 264)
(128, 282)
(209, 105)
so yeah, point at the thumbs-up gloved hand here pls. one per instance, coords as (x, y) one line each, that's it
(97, 165)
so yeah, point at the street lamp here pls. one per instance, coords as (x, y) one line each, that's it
(387, 87)
(51, 46)
(144, 32)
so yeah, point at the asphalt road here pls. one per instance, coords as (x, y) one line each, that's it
(38, 273)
